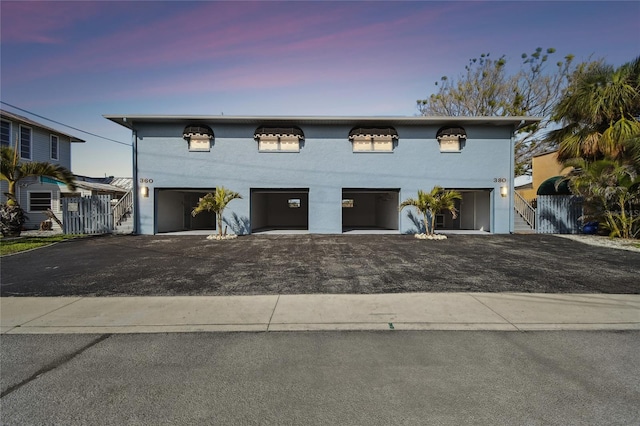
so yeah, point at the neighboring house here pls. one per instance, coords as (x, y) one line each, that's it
(561, 213)
(36, 142)
(543, 167)
(321, 174)
(115, 187)
(522, 184)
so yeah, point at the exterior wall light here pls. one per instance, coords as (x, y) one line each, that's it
(504, 191)
(144, 191)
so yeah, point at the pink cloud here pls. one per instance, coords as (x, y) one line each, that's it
(286, 75)
(237, 46)
(42, 21)
(222, 31)
(298, 57)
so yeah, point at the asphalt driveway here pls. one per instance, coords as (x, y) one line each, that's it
(304, 264)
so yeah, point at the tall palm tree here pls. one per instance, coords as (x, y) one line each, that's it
(599, 112)
(216, 203)
(13, 171)
(430, 203)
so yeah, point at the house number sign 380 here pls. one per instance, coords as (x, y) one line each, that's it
(146, 180)
(500, 179)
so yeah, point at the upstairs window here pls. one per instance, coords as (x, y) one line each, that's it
(54, 147)
(25, 143)
(198, 137)
(451, 139)
(5, 133)
(278, 139)
(373, 139)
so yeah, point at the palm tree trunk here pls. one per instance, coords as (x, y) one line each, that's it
(11, 199)
(625, 225)
(219, 221)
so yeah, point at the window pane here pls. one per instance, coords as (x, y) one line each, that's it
(449, 144)
(383, 145)
(199, 144)
(294, 203)
(361, 145)
(5, 134)
(268, 144)
(39, 201)
(289, 144)
(54, 147)
(25, 142)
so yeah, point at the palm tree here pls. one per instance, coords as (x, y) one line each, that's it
(430, 203)
(612, 193)
(13, 171)
(216, 203)
(599, 112)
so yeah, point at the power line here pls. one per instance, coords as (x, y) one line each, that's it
(65, 125)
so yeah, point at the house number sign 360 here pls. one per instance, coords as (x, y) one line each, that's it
(500, 179)
(146, 180)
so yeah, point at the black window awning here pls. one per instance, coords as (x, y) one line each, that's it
(278, 131)
(197, 130)
(373, 132)
(451, 132)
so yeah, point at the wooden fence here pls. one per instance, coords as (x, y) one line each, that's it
(87, 215)
(559, 214)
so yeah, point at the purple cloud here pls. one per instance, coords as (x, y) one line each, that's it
(43, 22)
(216, 33)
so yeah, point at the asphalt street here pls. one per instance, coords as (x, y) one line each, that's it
(320, 378)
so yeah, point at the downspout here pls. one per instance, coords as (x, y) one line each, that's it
(512, 171)
(136, 201)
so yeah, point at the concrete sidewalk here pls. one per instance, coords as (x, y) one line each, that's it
(407, 311)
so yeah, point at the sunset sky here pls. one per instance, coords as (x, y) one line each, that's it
(75, 61)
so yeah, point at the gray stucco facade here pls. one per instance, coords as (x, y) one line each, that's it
(322, 174)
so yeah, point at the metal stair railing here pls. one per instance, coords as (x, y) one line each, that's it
(525, 210)
(123, 207)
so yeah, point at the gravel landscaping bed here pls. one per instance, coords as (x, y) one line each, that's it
(600, 241)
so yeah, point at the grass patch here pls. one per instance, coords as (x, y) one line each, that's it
(16, 245)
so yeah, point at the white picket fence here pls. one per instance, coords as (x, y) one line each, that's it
(87, 215)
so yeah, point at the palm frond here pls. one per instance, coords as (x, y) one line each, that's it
(429, 203)
(216, 202)
(12, 170)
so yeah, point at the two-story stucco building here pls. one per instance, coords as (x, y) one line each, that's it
(36, 142)
(321, 174)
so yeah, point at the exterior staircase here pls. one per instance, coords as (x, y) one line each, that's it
(520, 226)
(125, 226)
(123, 215)
(525, 216)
